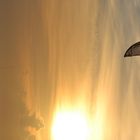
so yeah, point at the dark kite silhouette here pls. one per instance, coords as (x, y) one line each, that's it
(133, 50)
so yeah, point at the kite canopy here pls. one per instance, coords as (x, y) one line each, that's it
(134, 50)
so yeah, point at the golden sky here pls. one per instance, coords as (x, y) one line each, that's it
(58, 55)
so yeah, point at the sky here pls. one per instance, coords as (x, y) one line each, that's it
(68, 55)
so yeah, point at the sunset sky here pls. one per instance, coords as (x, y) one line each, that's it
(66, 56)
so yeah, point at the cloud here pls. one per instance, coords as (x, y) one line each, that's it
(17, 122)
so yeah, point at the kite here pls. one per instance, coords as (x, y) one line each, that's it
(133, 50)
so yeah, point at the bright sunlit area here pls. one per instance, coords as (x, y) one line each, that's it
(70, 126)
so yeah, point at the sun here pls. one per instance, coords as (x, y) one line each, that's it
(70, 126)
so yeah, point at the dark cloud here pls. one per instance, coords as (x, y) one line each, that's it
(17, 121)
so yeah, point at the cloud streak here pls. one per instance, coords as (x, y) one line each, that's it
(70, 55)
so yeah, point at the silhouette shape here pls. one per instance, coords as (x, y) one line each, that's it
(133, 50)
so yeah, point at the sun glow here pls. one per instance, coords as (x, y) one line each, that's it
(70, 126)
